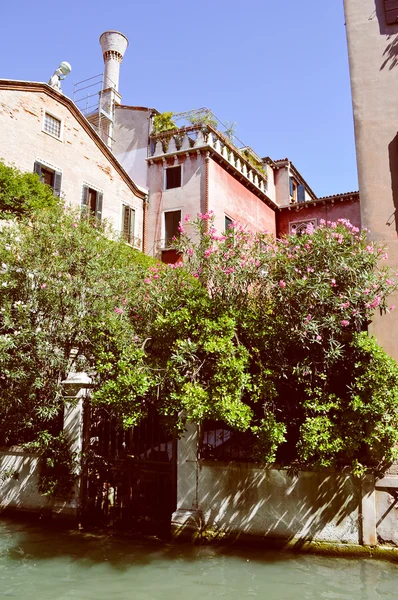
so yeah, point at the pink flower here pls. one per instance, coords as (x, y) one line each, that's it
(333, 283)
(43, 285)
(392, 307)
(119, 311)
(74, 224)
(147, 280)
(384, 257)
(344, 323)
(389, 282)
(190, 252)
(307, 318)
(186, 218)
(376, 302)
(282, 283)
(318, 338)
(366, 291)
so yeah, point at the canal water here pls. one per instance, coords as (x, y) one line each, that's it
(40, 563)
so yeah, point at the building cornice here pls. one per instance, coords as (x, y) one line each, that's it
(345, 197)
(34, 87)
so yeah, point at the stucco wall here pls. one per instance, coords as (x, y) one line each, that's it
(372, 49)
(131, 132)
(189, 198)
(245, 498)
(20, 490)
(228, 196)
(329, 212)
(271, 503)
(22, 142)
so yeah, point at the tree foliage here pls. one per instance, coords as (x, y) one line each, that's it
(266, 335)
(22, 193)
(62, 282)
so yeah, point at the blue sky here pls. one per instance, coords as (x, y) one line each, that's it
(277, 69)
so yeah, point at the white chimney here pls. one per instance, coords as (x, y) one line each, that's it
(114, 45)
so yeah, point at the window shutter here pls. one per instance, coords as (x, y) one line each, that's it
(391, 8)
(85, 198)
(98, 206)
(301, 192)
(37, 168)
(291, 190)
(57, 183)
(132, 225)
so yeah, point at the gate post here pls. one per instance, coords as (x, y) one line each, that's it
(368, 510)
(76, 391)
(186, 521)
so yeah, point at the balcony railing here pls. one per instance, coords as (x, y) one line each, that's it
(205, 136)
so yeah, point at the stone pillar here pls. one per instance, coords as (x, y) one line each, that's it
(368, 510)
(186, 521)
(75, 388)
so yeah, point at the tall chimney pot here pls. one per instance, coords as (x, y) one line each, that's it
(114, 45)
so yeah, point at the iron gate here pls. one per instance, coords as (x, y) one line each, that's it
(129, 475)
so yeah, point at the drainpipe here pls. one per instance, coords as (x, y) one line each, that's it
(144, 222)
(207, 160)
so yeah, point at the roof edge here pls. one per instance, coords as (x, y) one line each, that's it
(34, 86)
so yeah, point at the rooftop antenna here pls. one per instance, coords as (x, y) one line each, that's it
(55, 80)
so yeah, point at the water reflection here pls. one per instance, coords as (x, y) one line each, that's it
(47, 564)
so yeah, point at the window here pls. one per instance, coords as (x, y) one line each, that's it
(301, 193)
(391, 8)
(52, 125)
(173, 177)
(292, 188)
(49, 175)
(128, 224)
(172, 219)
(92, 202)
(228, 222)
(300, 227)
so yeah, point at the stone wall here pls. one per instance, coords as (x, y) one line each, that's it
(246, 499)
(19, 472)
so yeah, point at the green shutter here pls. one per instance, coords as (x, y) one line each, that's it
(98, 206)
(37, 168)
(85, 199)
(301, 192)
(57, 183)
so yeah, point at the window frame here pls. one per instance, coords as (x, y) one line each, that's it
(295, 224)
(166, 168)
(164, 244)
(61, 126)
(99, 202)
(58, 175)
(231, 221)
(122, 229)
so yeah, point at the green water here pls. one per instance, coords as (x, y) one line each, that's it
(38, 563)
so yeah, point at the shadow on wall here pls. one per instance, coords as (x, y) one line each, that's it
(271, 503)
(393, 159)
(19, 482)
(390, 54)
